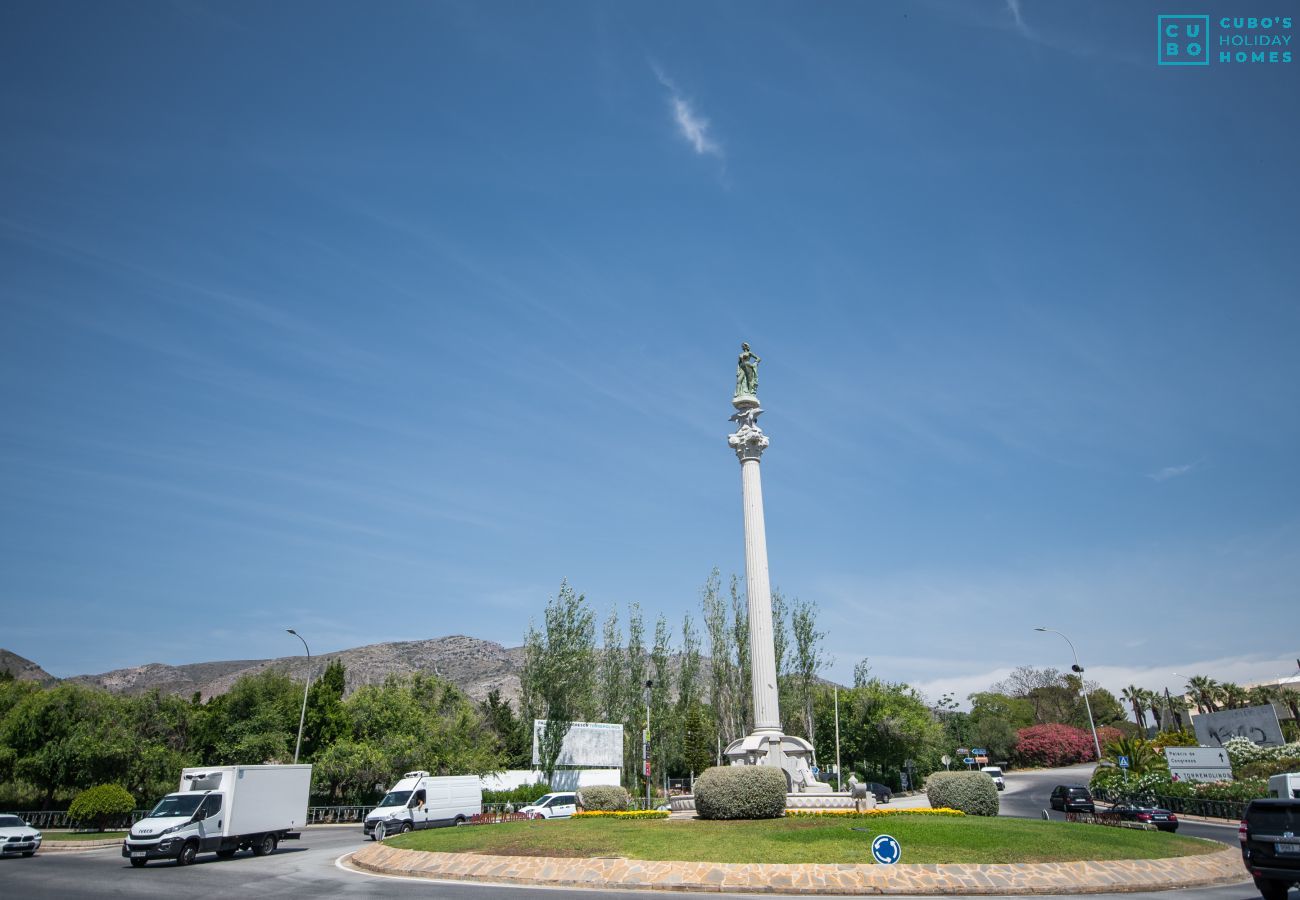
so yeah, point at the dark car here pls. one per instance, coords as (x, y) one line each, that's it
(883, 793)
(1270, 845)
(1072, 798)
(1147, 815)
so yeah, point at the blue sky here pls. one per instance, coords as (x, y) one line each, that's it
(378, 321)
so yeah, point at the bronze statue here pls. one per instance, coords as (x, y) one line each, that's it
(747, 372)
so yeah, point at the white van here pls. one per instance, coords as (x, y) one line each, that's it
(995, 773)
(552, 806)
(420, 800)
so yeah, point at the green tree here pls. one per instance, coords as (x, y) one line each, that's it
(326, 720)
(809, 661)
(633, 717)
(744, 698)
(664, 735)
(101, 804)
(513, 736)
(564, 669)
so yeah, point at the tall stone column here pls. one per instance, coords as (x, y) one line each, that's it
(766, 745)
(749, 443)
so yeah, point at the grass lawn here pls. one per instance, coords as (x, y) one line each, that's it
(924, 840)
(81, 835)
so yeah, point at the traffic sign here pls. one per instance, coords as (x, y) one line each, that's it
(816, 770)
(1123, 762)
(945, 759)
(886, 850)
(978, 751)
(970, 760)
(1198, 764)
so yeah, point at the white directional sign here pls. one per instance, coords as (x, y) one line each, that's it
(1198, 764)
(1197, 758)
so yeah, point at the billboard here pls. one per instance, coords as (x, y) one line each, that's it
(1259, 723)
(593, 745)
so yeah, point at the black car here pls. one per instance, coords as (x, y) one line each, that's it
(1147, 815)
(1270, 845)
(1072, 798)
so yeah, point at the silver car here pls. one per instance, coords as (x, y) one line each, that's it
(16, 837)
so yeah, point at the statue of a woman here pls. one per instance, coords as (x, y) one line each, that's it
(747, 372)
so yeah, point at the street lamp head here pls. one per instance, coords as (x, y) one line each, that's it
(1077, 668)
(291, 631)
(1040, 629)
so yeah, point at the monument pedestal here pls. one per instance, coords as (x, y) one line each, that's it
(791, 754)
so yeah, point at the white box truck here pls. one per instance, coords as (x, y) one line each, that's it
(421, 800)
(223, 809)
(1285, 786)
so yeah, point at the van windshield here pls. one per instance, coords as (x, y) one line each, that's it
(176, 805)
(395, 798)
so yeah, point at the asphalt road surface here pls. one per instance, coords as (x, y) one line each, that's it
(1029, 792)
(308, 869)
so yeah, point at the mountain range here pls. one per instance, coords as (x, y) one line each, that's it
(473, 665)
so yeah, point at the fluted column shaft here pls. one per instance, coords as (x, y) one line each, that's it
(762, 649)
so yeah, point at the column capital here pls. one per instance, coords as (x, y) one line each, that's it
(749, 442)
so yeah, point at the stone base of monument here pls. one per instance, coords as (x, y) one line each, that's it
(686, 802)
(792, 755)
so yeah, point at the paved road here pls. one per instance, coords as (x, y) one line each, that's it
(1029, 791)
(307, 869)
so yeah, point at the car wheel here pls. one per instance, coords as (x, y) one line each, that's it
(138, 863)
(1270, 889)
(188, 852)
(266, 846)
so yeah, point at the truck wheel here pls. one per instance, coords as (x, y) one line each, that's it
(226, 853)
(460, 820)
(265, 846)
(1270, 889)
(138, 863)
(188, 852)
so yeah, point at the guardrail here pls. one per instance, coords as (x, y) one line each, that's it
(1192, 806)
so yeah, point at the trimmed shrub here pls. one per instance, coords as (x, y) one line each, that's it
(101, 804)
(1266, 767)
(603, 798)
(973, 793)
(740, 792)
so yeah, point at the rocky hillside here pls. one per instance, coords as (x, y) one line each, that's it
(23, 669)
(475, 666)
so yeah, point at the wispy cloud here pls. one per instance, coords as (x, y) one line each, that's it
(1013, 7)
(690, 124)
(1173, 471)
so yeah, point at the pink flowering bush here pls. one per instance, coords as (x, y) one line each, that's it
(1053, 745)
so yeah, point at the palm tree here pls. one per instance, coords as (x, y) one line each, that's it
(1155, 702)
(1234, 695)
(1142, 756)
(1203, 690)
(1134, 695)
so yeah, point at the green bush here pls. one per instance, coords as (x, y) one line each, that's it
(1266, 767)
(101, 804)
(741, 792)
(520, 796)
(974, 793)
(603, 798)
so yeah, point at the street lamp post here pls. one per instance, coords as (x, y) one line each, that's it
(302, 716)
(645, 744)
(1082, 689)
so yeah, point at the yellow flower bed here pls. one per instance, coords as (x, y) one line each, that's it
(867, 814)
(622, 814)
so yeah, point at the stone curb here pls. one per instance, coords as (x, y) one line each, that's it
(67, 846)
(1221, 867)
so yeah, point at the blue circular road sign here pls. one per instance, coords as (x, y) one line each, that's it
(886, 850)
